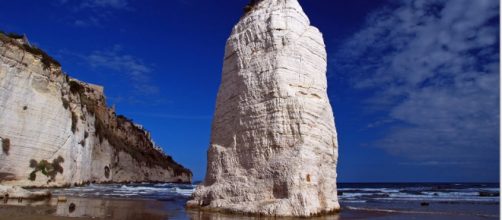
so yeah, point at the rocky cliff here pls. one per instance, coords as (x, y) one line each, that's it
(273, 147)
(58, 131)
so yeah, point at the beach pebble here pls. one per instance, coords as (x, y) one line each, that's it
(62, 199)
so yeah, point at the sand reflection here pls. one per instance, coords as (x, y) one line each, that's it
(114, 209)
(200, 215)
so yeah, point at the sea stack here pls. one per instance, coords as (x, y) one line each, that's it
(58, 131)
(274, 146)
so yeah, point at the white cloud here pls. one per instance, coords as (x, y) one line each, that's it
(433, 66)
(115, 4)
(114, 59)
(112, 4)
(93, 13)
(88, 22)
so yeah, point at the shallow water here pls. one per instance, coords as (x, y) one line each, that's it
(358, 201)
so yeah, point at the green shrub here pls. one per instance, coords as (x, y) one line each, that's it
(247, 9)
(33, 176)
(250, 6)
(90, 104)
(142, 150)
(46, 60)
(33, 163)
(50, 170)
(76, 87)
(123, 118)
(6, 145)
(12, 35)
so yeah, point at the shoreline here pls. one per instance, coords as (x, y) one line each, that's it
(157, 209)
(100, 183)
(120, 208)
(168, 201)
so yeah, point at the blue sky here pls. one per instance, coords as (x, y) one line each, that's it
(414, 84)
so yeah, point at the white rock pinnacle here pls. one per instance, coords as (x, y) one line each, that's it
(273, 147)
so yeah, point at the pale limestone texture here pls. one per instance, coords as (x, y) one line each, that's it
(274, 146)
(45, 115)
(16, 192)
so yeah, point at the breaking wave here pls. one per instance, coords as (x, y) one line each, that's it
(442, 193)
(143, 190)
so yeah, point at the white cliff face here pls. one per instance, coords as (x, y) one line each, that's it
(45, 115)
(273, 147)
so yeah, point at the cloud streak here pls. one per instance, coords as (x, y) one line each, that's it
(115, 59)
(174, 116)
(94, 13)
(114, 4)
(433, 68)
(107, 4)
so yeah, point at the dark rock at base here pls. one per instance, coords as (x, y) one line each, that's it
(489, 194)
(72, 207)
(424, 204)
(340, 193)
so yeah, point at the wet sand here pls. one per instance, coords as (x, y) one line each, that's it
(119, 209)
(91, 208)
(138, 209)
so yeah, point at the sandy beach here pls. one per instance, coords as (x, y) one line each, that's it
(121, 209)
(132, 209)
(155, 201)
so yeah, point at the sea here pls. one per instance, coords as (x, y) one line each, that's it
(358, 200)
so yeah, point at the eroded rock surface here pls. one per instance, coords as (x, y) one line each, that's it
(58, 131)
(273, 147)
(16, 192)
